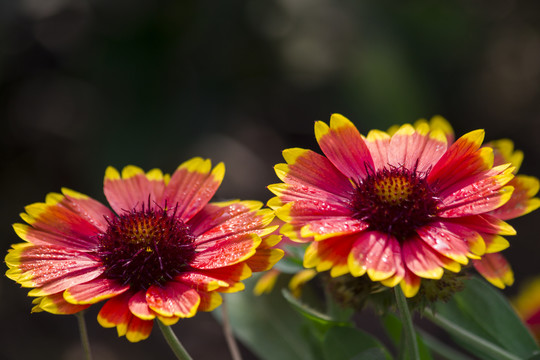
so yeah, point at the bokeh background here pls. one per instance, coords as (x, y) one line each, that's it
(89, 83)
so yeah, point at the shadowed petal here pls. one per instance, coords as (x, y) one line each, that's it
(495, 269)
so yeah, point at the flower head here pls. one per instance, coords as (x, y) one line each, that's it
(163, 251)
(397, 206)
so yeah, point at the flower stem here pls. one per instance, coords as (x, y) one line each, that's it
(84, 335)
(227, 330)
(174, 343)
(411, 346)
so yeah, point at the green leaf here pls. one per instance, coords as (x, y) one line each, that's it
(346, 343)
(483, 321)
(267, 324)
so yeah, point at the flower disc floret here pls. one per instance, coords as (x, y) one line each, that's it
(145, 248)
(396, 201)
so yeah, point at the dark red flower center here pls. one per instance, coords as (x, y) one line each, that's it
(146, 247)
(396, 201)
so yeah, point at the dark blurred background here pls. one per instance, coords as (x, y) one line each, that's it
(89, 83)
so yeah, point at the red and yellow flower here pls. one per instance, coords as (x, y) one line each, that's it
(398, 206)
(163, 251)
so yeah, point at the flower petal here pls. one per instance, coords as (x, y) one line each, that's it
(94, 291)
(374, 252)
(139, 307)
(209, 300)
(299, 279)
(448, 239)
(421, 260)
(116, 313)
(330, 254)
(504, 153)
(463, 159)
(60, 221)
(378, 142)
(87, 208)
(522, 201)
(227, 251)
(495, 243)
(495, 269)
(173, 299)
(191, 187)
(264, 259)
(55, 304)
(311, 210)
(218, 213)
(410, 284)
(484, 223)
(481, 195)
(266, 282)
(253, 222)
(416, 148)
(309, 172)
(200, 281)
(50, 269)
(333, 226)
(134, 189)
(228, 277)
(344, 147)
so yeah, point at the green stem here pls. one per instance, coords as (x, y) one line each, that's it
(411, 346)
(227, 330)
(84, 335)
(174, 343)
(470, 338)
